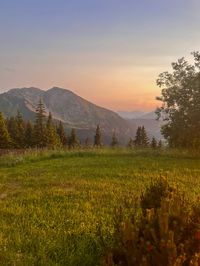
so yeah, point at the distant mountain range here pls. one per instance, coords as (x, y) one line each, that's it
(72, 110)
(146, 119)
(137, 115)
(131, 114)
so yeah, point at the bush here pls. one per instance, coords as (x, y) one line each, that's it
(167, 231)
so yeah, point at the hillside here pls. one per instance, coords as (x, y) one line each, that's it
(72, 110)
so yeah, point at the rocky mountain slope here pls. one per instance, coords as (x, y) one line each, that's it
(72, 110)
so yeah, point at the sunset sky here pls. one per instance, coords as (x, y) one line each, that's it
(107, 51)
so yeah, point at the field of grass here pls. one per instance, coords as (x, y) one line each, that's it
(56, 208)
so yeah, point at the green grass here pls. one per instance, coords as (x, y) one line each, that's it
(56, 207)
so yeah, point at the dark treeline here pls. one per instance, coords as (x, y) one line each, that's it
(16, 133)
(142, 141)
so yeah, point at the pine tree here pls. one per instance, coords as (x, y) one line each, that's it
(98, 137)
(61, 133)
(114, 142)
(87, 142)
(153, 143)
(39, 127)
(20, 131)
(160, 144)
(131, 143)
(52, 138)
(138, 137)
(29, 136)
(12, 129)
(73, 141)
(4, 135)
(141, 139)
(145, 140)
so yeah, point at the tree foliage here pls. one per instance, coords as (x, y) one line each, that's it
(61, 134)
(154, 143)
(28, 135)
(52, 138)
(180, 97)
(114, 141)
(4, 135)
(19, 137)
(17, 133)
(141, 138)
(73, 140)
(98, 137)
(165, 232)
(39, 127)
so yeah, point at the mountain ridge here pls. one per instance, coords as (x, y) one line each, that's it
(73, 110)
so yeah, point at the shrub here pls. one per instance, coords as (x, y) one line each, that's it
(166, 233)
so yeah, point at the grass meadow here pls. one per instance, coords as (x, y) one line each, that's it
(56, 207)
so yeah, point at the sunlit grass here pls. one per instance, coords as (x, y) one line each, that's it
(56, 207)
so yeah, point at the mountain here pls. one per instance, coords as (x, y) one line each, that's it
(131, 114)
(152, 126)
(71, 109)
(150, 115)
(137, 115)
(148, 120)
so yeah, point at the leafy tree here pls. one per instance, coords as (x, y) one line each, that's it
(61, 133)
(73, 140)
(52, 138)
(4, 135)
(114, 141)
(98, 137)
(153, 143)
(39, 127)
(180, 97)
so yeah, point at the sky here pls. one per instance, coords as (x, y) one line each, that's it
(107, 51)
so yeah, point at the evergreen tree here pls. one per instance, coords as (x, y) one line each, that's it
(87, 142)
(12, 129)
(114, 141)
(20, 131)
(61, 133)
(144, 138)
(4, 135)
(141, 139)
(39, 127)
(52, 138)
(153, 143)
(138, 137)
(73, 141)
(160, 144)
(29, 136)
(98, 137)
(130, 143)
